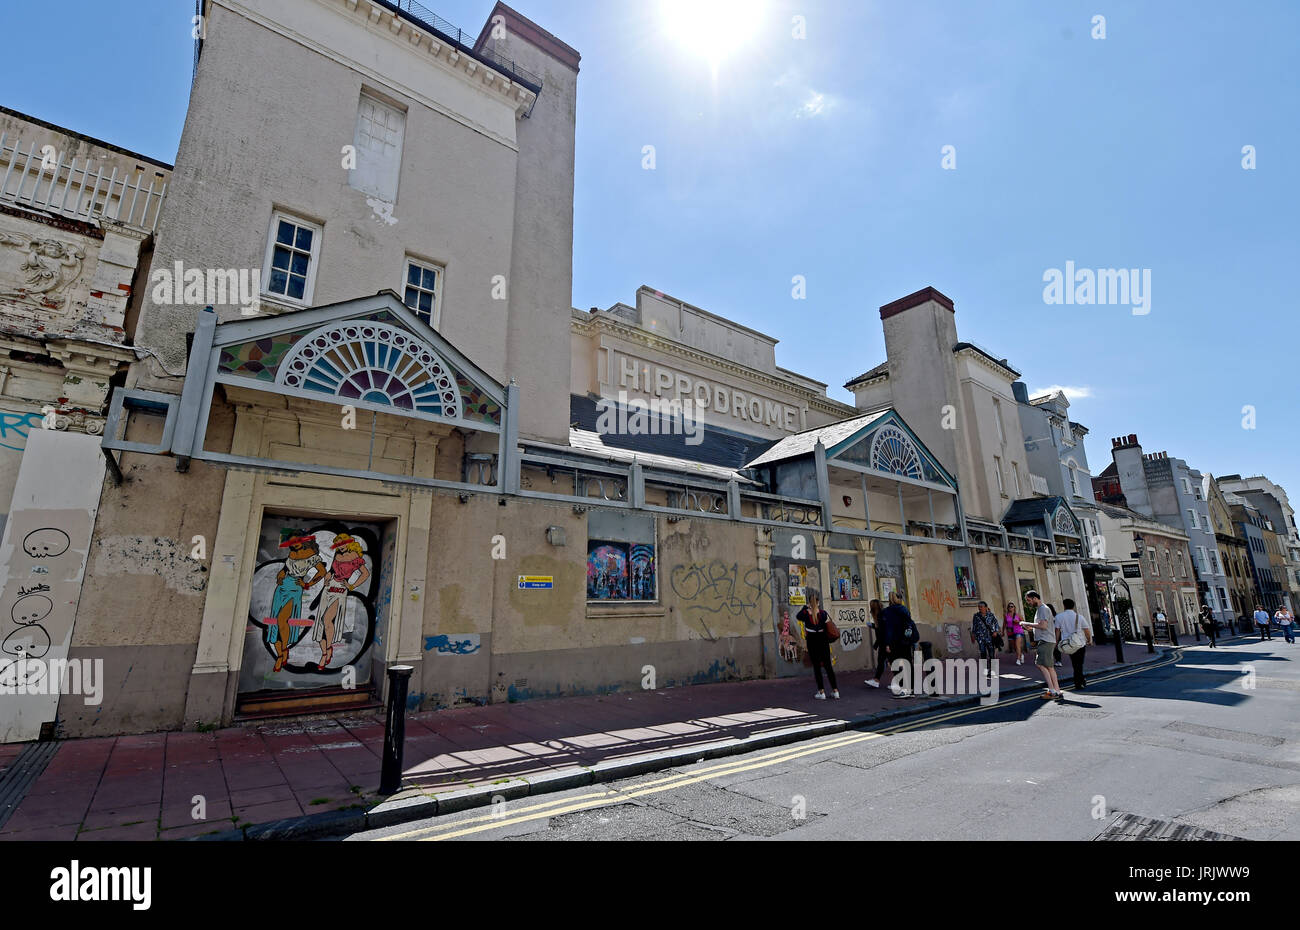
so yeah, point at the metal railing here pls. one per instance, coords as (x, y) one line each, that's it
(39, 179)
(462, 41)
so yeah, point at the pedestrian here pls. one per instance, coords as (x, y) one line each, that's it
(817, 635)
(900, 635)
(877, 626)
(1044, 627)
(1105, 620)
(1261, 621)
(1016, 632)
(1068, 623)
(1209, 625)
(983, 628)
(1284, 620)
(1056, 650)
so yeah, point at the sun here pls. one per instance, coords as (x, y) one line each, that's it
(715, 30)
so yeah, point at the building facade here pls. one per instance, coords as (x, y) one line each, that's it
(1155, 571)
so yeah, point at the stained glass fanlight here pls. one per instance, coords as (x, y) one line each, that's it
(374, 363)
(894, 452)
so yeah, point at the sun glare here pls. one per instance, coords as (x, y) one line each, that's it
(715, 30)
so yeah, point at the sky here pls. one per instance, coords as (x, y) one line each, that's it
(815, 148)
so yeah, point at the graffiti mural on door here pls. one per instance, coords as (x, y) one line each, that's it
(313, 608)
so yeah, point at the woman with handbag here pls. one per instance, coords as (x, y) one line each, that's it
(819, 632)
(882, 656)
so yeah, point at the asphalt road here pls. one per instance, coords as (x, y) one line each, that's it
(1208, 740)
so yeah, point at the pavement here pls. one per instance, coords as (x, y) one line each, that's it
(313, 777)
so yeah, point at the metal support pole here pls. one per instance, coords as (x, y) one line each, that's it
(1151, 639)
(390, 778)
(1119, 645)
(1173, 633)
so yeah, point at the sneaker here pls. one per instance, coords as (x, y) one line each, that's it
(1047, 695)
(836, 694)
(1058, 665)
(1020, 661)
(873, 683)
(901, 692)
(819, 696)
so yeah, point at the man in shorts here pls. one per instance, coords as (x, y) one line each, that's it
(1044, 627)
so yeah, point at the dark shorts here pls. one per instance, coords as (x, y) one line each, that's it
(1046, 653)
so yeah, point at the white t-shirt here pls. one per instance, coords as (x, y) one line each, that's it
(1283, 618)
(1070, 622)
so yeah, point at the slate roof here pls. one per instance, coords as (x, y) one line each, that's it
(881, 369)
(724, 448)
(804, 443)
(1031, 510)
(594, 443)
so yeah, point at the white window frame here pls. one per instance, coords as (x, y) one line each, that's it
(313, 260)
(1015, 474)
(1196, 524)
(1074, 481)
(1160, 603)
(378, 190)
(997, 468)
(1155, 562)
(997, 416)
(425, 265)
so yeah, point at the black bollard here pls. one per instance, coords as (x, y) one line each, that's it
(1197, 628)
(1173, 635)
(390, 778)
(1151, 639)
(1119, 645)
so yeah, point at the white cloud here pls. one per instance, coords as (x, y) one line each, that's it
(1071, 393)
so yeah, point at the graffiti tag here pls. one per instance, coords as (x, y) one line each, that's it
(446, 646)
(15, 427)
(718, 588)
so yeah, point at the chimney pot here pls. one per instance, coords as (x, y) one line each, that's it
(1132, 439)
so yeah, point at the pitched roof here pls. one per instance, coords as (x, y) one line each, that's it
(1031, 510)
(881, 369)
(804, 443)
(585, 441)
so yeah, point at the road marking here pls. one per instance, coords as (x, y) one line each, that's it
(606, 798)
(672, 781)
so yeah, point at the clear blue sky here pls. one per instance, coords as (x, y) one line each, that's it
(822, 157)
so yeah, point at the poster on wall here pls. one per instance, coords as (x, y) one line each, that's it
(313, 606)
(887, 587)
(619, 571)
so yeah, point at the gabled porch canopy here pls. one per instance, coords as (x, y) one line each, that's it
(1047, 518)
(368, 354)
(897, 480)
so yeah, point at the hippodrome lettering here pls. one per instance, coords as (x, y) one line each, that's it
(708, 395)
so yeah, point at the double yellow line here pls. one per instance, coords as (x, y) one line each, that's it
(606, 797)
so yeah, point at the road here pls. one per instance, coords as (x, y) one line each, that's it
(1208, 740)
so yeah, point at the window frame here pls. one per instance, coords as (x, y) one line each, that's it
(997, 467)
(379, 100)
(425, 265)
(313, 261)
(627, 602)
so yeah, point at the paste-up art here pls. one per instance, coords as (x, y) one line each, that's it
(619, 571)
(313, 605)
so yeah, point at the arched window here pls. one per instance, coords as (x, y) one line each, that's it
(894, 452)
(375, 363)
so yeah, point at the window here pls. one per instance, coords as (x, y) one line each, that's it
(1191, 519)
(378, 140)
(1223, 599)
(997, 416)
(1182, 571)
(1214, 563)
(423, 285)
(1187, 486)
(997, 467)
(1160, 601)
(621, 557)
(1155, 566)
(1074, 481)
(292, 255)
(1015, 474)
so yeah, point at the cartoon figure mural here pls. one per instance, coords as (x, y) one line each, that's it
(347, 572)
(313, 611)
(302, 570)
